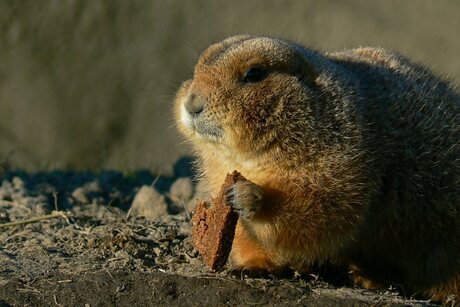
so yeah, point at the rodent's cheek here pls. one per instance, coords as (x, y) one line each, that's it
(234, 136)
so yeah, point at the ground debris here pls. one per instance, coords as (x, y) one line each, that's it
(96, 254)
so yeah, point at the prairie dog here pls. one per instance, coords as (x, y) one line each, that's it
(354, 156)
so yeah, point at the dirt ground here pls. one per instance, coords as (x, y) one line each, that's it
(88, 247)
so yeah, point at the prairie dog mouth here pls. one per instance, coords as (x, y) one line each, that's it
(201, 125)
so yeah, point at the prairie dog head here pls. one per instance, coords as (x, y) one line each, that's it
(249, 95)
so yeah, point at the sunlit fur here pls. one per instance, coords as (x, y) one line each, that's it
(357, 153)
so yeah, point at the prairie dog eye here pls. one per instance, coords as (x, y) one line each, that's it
(254, 74)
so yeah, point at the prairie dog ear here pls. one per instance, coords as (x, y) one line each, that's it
(304, 66)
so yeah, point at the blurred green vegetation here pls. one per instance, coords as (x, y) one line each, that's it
(89, 84)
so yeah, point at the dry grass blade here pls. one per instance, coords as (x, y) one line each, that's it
(54, 214)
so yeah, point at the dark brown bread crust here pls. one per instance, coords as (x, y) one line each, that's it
(214, 227)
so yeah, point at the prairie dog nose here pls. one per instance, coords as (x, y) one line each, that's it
(193, 105)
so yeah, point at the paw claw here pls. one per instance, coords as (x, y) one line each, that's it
(245, 198)
(230, 196)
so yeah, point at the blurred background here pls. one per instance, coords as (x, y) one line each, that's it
(90, 84)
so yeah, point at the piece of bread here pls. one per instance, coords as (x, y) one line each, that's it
(214, 227)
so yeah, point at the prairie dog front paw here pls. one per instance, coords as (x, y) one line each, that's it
(245, 197)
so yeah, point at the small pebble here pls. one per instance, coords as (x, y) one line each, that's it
(157, 251)
(79, 195)
(18, 184)
(182, 188)
(149, 203)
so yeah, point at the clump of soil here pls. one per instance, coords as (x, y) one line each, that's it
(93, 250)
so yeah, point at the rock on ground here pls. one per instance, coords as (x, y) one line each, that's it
(149, 203)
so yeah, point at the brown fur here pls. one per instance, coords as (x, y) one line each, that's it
(356, 154)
